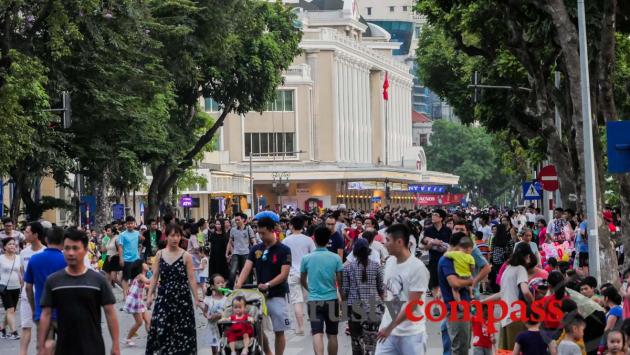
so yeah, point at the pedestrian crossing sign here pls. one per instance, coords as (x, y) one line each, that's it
(532, 191)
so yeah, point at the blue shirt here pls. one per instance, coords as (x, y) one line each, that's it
(321, 267)
(129, 242)
(445, 269)
(480, 262)
(39, 267)
(580, 243)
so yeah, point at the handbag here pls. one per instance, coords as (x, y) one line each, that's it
(3, 287)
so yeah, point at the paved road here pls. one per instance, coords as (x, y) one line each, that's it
(296, 345)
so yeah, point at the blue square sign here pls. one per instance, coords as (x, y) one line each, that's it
(618, 139)
(532, 191)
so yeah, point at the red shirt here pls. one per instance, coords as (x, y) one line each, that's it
(481, 338)
(549, 323)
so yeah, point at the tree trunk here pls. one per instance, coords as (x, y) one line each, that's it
(103, 213)
(14, 211)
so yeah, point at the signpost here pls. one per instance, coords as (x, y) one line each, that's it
(186, 201)
(532, 191)
(118, 211)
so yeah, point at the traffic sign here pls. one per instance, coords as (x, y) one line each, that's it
(532, 191)
(118, 211)
(617, 134)
(548, 177)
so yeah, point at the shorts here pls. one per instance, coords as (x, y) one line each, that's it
(278, 314)
(10, 298)
(112, 264)
(296, 291)
(26, 313)
(126, 276)
(410, 344)
(320, 313)
(582, 259)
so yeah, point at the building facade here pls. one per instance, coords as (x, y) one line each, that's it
(329, 138)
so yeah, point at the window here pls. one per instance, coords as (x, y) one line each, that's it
(282, 102)
(369, 11)
(391, 9)
(404, 8)
(210, 105)
(424, 139)
(270, 144)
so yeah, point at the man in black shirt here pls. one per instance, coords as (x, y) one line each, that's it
(272, 261)
(78, 293)
(436, 239)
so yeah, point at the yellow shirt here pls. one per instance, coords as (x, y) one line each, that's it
(463, 262)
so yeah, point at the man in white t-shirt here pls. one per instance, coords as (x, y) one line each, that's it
(10, 232)
(33, 235)
(300, 245)
(406, 280)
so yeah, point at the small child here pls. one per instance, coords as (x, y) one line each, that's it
(203, 270)
(134, 303)
(482, 340)
(615, 343)
(531, 341)
(574, 327)
(242, 328)
(214, 303)
(464, 263)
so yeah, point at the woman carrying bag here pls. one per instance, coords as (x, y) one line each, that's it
(10, 285)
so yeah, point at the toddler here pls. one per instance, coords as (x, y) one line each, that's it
(463, 262)
(213, 305)
(134, 303)
(615, 343)
(241, 329)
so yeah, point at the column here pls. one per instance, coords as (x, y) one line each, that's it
(348, 110)
(368, 117)
(337, 107)
(343, 113)
(364, 88)
(356, 149)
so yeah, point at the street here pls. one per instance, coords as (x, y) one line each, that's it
(295, 344)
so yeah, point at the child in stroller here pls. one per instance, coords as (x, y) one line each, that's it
(241, 328)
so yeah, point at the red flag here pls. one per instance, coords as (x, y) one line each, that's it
(385, 88)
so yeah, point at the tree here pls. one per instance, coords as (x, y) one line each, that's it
(470, 153)
(231, 50)
(531, 39)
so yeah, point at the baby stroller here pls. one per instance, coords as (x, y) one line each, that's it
(256, 309)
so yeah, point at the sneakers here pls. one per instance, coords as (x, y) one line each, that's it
(13, 336)
(129, 342)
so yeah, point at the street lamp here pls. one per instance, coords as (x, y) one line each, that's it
(280, 182)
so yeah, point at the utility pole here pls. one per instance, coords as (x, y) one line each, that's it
(558, 123)
(589, 156)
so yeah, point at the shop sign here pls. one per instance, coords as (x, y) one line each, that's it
(437, 200)
(427, 189)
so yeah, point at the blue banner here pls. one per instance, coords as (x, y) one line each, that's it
(427, 189)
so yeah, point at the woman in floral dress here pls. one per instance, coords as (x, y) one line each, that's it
(173, 328)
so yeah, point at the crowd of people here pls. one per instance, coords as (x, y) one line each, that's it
(368, 268)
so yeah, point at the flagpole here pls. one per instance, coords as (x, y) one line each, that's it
(386, 135)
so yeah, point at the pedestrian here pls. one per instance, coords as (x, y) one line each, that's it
(34, 235)
(111, 266)
(173, 328)
(40, 266)
(531, 341)
(574, 327)
(271, 261)
(615, 343)
(500, 252)
(483, 341)
(151, 240)
(458, 330)
(10, 232)
(552, 327)
(77, 294)
(10, 285)
(300, 246)
(363, 290)
(435, 240)
(218, 241)
(213, 306)
(242, 237)
(335, 244)
(128, 249)
(515, 287)
(134, 302)
(320, 274)
(202, 276)
(407, 280)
